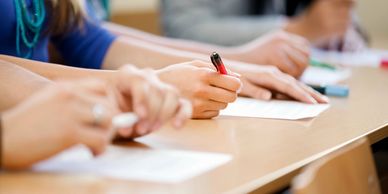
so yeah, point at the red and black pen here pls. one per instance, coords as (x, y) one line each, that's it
(217, 62)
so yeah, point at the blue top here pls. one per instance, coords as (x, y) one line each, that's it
(85, 47)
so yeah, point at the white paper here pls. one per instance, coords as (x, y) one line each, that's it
(167, 166)
(342, 60)
(370, 57)
(321, 76)
(274, 109)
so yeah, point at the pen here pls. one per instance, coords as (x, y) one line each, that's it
(217, 62)
(332, 90)
(316, 63)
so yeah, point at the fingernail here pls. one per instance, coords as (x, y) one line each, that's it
(326, 99)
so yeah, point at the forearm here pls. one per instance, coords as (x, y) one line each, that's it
(148, 55)
(1, 144)
(55, 71)
(228, 31)
(17, 84)
(144, 54)
(179, 44)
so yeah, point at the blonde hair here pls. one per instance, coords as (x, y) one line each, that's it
(64, 15)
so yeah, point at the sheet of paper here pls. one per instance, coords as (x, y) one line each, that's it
(321, 76)
(274, 109)
(167, 166)
(370, 57)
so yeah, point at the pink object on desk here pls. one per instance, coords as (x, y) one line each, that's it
(384, 63)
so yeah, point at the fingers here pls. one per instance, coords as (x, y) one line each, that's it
(126, 132)
(93, 137)
(138, 93)
(85, 105)
(256, 91)
(285, 84)
(209, 114)
(300, 61)
(169, 107)
(217, 94)
(217, 87)
(316, 95)
(230, 83)
(291, 87)
(293, 54)
(184, 113)
(300, 43)
(156, 98)
(285, 64)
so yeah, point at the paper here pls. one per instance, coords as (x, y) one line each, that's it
(321, 76)
(342, 60)
(370, 57)
(168, 166)
(274, 109)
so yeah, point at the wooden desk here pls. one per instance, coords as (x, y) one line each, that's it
(266, 153)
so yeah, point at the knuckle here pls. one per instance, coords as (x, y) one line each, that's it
(205, 75)
(64, 92)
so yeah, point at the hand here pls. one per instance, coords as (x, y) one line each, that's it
(323, 20)
(54, 119)
(208, 91)
(262, 82)
(153, 101)
(288, 52)
(354, 40)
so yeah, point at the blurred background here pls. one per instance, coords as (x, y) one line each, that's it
(143, 14)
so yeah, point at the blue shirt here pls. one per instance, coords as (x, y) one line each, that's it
(85, 47)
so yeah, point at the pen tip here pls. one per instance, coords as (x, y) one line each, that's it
(215, 55)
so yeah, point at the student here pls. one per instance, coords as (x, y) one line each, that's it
(83, 43)
(322, 22)
(63, 114)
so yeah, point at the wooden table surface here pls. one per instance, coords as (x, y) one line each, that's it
(266, 153)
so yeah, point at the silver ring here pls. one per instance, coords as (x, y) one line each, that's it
(98, 113)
